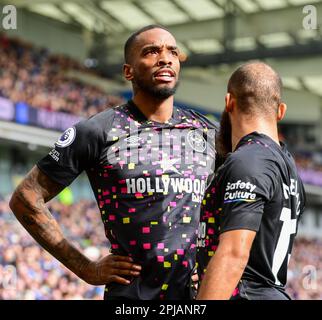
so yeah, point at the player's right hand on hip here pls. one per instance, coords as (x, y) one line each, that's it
(111, 268)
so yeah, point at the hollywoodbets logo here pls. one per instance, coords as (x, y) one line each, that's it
(166, 185)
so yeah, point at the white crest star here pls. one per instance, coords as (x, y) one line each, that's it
(168, 164)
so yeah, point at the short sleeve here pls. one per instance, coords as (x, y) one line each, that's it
(246, 185)
(76, 150)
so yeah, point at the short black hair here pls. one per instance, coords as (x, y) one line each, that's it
(257, 88)
(130, 41)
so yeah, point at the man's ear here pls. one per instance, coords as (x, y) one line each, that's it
(281, 111)
(229, 102)
(127, 72)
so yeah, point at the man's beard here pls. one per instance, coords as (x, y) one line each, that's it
(158, 93)
(223, 141)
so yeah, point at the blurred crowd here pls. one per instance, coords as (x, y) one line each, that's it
(305, 270)
(310, 167)
(306, 152)
(36, 77)
(28, 272)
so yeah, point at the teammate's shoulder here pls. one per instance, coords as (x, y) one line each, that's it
(205, 120)
(249, 157)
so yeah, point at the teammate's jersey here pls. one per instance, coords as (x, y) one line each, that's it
(257, 188)
(149, 180)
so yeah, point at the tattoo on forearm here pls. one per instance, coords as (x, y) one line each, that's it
(71, 257)
(29, 220)
(31, 211)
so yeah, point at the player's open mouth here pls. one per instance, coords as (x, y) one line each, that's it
(165, 75)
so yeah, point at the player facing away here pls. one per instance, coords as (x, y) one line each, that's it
(259, 197)
(148, 163)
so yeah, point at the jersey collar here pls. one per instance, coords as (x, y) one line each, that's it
(260, 138)
(139, 116)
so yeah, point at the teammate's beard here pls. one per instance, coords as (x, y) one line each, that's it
(223, 143)
(158, 93)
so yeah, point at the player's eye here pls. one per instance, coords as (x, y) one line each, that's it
(151, 51)
(175, 52)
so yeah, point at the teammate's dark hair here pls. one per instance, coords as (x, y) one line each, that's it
(257, 88)
(131, 40)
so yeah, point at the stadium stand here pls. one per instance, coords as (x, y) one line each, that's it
(305, 270)
(310, 167)
(37, 78)
(37, 275)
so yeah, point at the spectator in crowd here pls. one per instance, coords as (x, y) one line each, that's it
(36, 77)
(310, 167)
(305, 270)
(27, 272)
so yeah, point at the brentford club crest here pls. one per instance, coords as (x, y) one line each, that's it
(197, 141)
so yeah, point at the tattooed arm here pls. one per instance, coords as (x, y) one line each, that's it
(28, 205)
